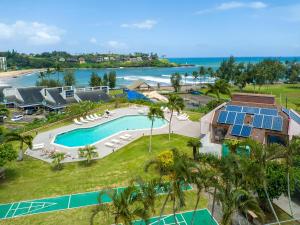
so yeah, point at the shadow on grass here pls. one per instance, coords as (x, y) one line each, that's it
(9, 175)
(85, 164)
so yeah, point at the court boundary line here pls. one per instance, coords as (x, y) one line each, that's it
(8, 210)
(24, 214)
(66, 195)
(187, 211)
(76, 207)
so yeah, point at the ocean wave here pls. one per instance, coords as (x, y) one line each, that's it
(148, 78)
(163, 80)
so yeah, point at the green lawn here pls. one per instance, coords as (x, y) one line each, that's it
(194, 116)
(33, 178)
(281, 92)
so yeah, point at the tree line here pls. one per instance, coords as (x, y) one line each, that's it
(267, 71)
(46, 78)
(16, 60)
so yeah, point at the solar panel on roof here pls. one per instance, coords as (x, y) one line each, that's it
(257, 121)
(277, 123)
(240, 117)
(222, 116)
(269, 112)
(231, 117)
(246, 131)
(234, 108)
(236, 130)
(267, 122)
(251, 110)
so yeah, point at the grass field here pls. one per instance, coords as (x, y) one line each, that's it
(281, 91)
(33, 178)
(291, 92)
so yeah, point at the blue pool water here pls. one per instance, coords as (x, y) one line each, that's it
(86, 136)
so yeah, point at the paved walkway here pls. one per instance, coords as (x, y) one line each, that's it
(186, 128)
(283, 203)
(209, 147)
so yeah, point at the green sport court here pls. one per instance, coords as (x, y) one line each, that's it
(23, 208)
(202, 217)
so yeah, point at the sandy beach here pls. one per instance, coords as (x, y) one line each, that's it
(17, 73)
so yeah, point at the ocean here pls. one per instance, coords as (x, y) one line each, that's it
(126, 76)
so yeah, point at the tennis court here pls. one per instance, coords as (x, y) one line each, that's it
(23, 208)
(202, 216)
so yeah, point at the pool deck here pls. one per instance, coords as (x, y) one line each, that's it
(186, 128)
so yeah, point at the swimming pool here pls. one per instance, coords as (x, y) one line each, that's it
(87, 136)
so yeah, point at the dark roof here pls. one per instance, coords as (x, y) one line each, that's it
(59, 100)
(31, 95)
(94, 96)
(253, 98)
(55, 94)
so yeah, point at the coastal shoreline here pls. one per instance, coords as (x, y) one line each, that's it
(18, 73)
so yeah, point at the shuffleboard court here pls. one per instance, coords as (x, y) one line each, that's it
(23, 208)
(202, 217)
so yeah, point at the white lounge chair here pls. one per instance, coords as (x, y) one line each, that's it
(129, 136)
(141, 111)
(97, 116)
(83, 120)
(124, 138)
(89, 118)
(116, 141)
(183, 118)
(92, 117)
(38, 146)
(108, 144)
(77, 122)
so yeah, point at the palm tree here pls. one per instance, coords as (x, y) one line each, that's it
(22, 139)
(58, 69)
(41, 75)
(202, 71)
(210, 71)
(179, 173)
(195, 75)
(121, 206)
(292, 150)
(219, 87)
(194, 143)
(147, 193)
(57, 158)
(287, 153)
(175, 103)
(154, 113)
(236, 200)
(88, 152)
(261, 154)
(185, 76)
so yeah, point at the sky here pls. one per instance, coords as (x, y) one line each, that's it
(190, 28)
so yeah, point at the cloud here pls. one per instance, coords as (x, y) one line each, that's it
(146, 24)
(93, 40)
(234, 5)
(34, 33)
